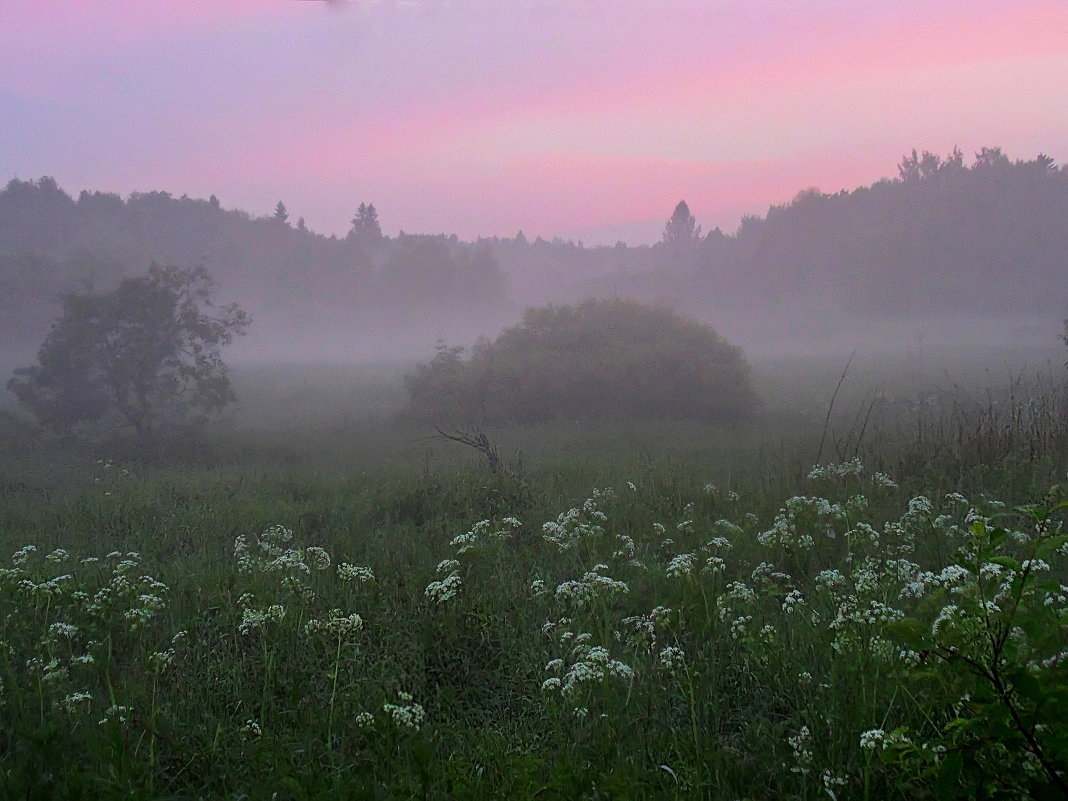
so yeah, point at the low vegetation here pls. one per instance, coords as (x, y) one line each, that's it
(614, 359)
(715, 617)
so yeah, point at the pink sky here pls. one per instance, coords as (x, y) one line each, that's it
(586, 118)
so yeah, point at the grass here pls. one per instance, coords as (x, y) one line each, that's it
(715, 624)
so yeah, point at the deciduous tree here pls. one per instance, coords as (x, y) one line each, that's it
(145, 356)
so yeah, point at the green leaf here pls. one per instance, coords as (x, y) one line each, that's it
(909, 630)
(1005, 561)
(949, 774)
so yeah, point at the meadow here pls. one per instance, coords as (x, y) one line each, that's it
(319, 598)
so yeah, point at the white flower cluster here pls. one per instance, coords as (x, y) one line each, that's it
(799, 520)
(77, 702)
(446, 588)
(255, 619)
(354, 573)
(407, 714)
(120, 714)
(579, 524)
(484, 532)
(270, 553)
(337, 624)
(879, 739)
(672, 658)
(591, 586)
(681, 565)
(639, 631)
(801, 745)
(590, 664)
(837, 471)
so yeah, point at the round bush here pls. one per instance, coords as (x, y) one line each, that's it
(601, 358)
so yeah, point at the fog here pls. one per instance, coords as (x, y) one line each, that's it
(368, 180)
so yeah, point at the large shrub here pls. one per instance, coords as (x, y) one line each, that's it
(144, 356)
(601, 358)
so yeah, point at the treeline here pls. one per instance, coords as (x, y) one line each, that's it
(988, 237)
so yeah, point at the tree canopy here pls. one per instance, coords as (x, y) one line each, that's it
(601, 358)
(145, 356)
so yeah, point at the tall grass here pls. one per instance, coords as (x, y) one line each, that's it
(366, 612)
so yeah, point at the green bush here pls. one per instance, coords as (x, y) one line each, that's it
(601, 358)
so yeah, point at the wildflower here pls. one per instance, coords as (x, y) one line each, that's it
(336, 624)
(681, 565)
(792, 601)
(835, 471)
(62, 630)
(920, 505)
(447, 566)
(879, 739)
(537, 588)
(592, 585)
(721, 543)
(801, 744)
(444, 590)
(1035, 565)
(76, 702)
(20, 556)
(738, 626)
(317, 557)
(406, 714)
(714, 564)
(252, 729)
(251, 619)
(357, 573)
(672, 658)
(58, 555)
(830, 781)
(883, 480)
(162, 659)
(365, 719)
(117, 713)
(625, 549)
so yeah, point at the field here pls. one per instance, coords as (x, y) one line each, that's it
(322, 599)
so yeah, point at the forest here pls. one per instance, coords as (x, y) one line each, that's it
(946, 249)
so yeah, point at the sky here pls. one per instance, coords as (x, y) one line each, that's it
(584, 119)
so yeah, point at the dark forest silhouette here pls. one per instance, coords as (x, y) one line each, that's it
(942, 238)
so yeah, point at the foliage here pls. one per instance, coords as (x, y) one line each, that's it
(660, 639)
(365, 225)
(994, 635)
(682, 229)
(601, 358)
(146, 356)
(949, 236)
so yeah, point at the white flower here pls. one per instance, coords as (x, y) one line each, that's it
(446, 566)
(252, 619)
(77, 702)
(681, 565)
(883, 480)
(357, 573)
(337, 624)
(406, 714)
(672, 658)
(444, 590)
